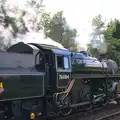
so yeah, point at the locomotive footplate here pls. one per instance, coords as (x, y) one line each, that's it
(92, 76)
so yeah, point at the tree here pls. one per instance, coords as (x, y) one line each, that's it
(116, 30)
(113, 40)
(97, 35)
(93, 52)
(54, 26)
(16, 23)
(98, 22)
(6, 22)
(10, 25)
(37, 6)
(57, 29)
(112, 37)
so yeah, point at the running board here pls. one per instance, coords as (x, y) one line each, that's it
(80, 104)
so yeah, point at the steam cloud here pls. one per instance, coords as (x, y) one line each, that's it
(99, 43)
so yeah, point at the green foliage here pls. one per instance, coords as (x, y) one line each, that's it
(57, 29)
(97, 22)
(112, 38)
(15, 24)
(38, 8)
(93, 52)
(98, 29)
(54, 26)
(116, 30)
(6, 20)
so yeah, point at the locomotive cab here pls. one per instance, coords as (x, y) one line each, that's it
(55, 62)
(52, 62)
(57, 65)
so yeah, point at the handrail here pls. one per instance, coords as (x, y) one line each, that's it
(65, 93)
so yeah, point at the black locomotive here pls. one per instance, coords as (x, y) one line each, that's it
(39, 81)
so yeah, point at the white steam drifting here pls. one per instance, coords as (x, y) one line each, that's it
(30, 19)
(35, 37)
(99, 43)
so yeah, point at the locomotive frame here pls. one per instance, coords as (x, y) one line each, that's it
(63, 88)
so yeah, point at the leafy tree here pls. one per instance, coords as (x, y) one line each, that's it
(98, 31)
(54, 26)
(16, 24)
(113, 40)
(9, 25)
(93, 52)
(6, 22)
(37, 6)
(112, 37)
(98, 22)
(116, 29)
(57, 29)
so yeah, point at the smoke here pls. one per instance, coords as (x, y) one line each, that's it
(6, 37)
(99, 42)
(36, 37)
(31, 20)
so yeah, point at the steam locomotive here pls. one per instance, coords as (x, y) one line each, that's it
(39, 81)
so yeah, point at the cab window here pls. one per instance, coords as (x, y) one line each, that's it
(39, 62)
(66, 62)
(63, 62)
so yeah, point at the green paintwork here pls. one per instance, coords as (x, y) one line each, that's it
(77, 68)
(22, 86)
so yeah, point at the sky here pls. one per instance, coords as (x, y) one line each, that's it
(79, 13)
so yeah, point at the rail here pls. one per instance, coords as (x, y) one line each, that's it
(110, 112)
(108, 117)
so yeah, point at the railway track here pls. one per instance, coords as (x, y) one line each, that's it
(110, 112)
(110, 116)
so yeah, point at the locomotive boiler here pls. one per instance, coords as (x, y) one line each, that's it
(92, 85)
(86, 64)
